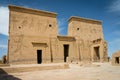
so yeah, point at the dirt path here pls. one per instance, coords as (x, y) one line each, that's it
(103, 72)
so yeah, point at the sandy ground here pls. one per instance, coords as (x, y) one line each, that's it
(97, 71)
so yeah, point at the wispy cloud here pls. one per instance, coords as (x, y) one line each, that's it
(114, 9)
(3, 46)
(61, 25)
(115, 6)
(4, 19)
(118, 23)
(117, 32)
(114, 46)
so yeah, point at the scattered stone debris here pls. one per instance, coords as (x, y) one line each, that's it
(4, 59)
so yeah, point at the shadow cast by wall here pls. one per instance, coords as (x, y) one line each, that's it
(5, 76)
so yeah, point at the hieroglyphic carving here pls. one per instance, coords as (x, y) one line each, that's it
(17, 43)
(105, 49)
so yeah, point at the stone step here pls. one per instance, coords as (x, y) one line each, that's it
(4, 65)
(17, 69)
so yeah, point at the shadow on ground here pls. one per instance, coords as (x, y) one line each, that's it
(5, 76)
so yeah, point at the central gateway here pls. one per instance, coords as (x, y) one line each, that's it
(66, 52)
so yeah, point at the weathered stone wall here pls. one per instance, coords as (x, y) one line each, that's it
(32, 30)
(89, 34)
(72, 50)
(85, 29)
(116, 58)
(28, 27)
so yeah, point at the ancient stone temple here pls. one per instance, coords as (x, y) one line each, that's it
(34, 38)
(116, 58)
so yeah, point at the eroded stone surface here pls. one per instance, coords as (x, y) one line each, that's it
(33, 38)
(116, 58)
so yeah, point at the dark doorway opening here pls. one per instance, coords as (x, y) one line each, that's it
(39, 56)
(66, 51)
(97, 54)
(117, 60)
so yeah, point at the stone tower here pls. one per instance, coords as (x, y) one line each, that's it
(30, 31)
(89, 37)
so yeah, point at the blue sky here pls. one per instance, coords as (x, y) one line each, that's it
(106, 10)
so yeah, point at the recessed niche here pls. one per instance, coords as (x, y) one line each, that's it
(50, 25)
(77, 28)
(19, 27)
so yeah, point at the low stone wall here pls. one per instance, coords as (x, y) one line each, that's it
(38, 67)
(4, 65)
